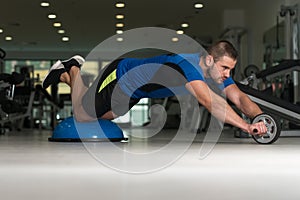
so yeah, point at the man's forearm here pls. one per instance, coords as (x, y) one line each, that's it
(249, 108)
(222, 111)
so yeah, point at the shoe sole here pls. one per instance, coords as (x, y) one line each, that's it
(78, 58)
(75, 61)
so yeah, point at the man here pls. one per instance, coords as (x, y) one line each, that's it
(125, 81)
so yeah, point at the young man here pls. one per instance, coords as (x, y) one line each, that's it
(125, 81)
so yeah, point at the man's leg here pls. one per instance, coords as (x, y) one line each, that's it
(78, 89)
(68, 72)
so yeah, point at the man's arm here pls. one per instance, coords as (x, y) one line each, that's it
(242, 101)
(218, 107)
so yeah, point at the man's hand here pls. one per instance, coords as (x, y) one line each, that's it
(258, 128)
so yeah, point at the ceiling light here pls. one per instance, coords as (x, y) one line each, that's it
(184, 25)
(180, 32)
(8, 38)
(198, 5)
(61, 31)
(45, 4)
(120, 5)
(57, 24)
(119, 39)
(1, 30)
(119, 25)
(65, 39)
(119, 16)
(51, 16)
(175, 39)
(119, 32)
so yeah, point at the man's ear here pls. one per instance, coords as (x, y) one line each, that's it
(209, 61)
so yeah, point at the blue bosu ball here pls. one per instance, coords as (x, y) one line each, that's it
(99, 130)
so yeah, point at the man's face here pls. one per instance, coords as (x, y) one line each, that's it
(221, 69)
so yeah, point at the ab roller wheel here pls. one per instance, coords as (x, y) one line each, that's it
(273, 129)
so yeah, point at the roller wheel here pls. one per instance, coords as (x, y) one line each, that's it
(273, 129)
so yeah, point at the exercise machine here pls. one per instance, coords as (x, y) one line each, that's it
(16, 103)
(261, 89)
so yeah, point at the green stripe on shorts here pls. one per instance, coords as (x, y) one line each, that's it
(110, 78)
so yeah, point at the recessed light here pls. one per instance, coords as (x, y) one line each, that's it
(184, 25)
(119, 39)
(61, 31)
(51, 16)
(119, 31)
(119, 25)
(175, 39)
(45, 4)
(180, 32)
(120, 5)
(119, 16)
(57, 24)
(65, 39)
(8, 38)
(198, 5)
(1, 30)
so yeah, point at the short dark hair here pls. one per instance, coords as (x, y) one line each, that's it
(222, 48)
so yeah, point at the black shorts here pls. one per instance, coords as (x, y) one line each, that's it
(106, 95)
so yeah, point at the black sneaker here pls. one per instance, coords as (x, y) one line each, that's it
(74, 61)
(53, 76)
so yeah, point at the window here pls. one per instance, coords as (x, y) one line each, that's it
(38, 69)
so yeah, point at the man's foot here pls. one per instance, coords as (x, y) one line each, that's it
(53, 76)
(74, 61)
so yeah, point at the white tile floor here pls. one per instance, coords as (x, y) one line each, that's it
(31, 168)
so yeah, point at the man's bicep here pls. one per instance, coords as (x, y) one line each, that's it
(200, 90)
(234, 94)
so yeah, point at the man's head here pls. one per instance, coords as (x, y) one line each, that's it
(221, 59)
(222, 48)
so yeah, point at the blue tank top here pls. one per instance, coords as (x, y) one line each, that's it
(161, 76)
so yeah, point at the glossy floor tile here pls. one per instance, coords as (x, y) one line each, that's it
(147, 168)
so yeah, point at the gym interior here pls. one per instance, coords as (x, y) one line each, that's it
(162, 148)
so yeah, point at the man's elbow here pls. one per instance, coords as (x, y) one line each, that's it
(207, 103)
